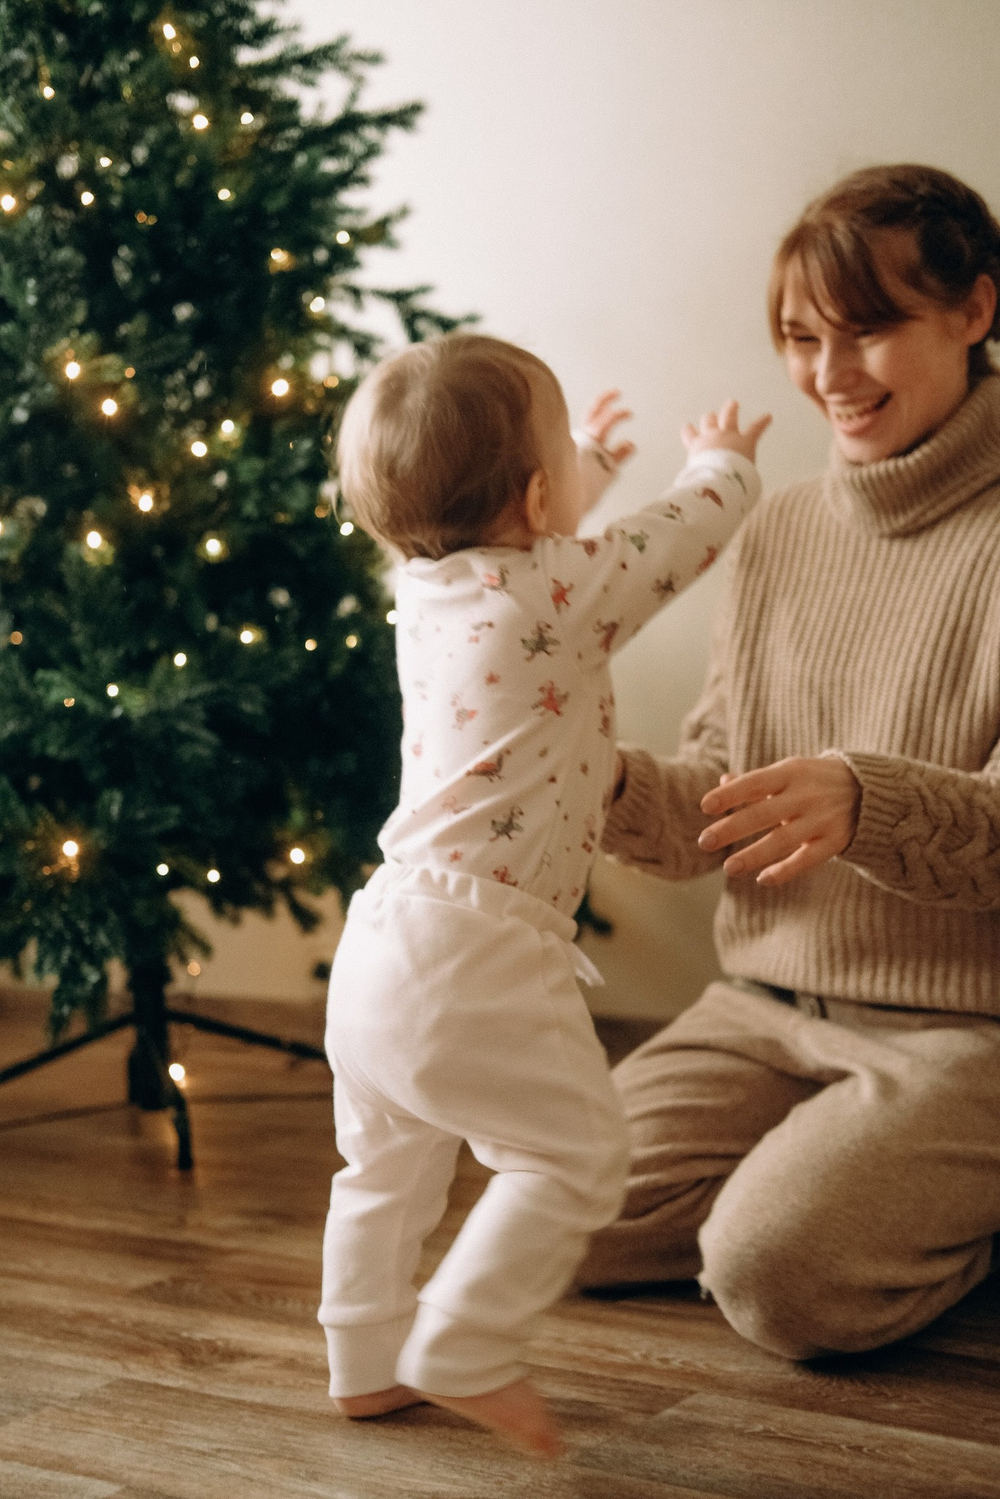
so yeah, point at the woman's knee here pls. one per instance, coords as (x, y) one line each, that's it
(798, 1289)
(788, 1286)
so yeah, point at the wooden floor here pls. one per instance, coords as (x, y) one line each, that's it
(158, 1336)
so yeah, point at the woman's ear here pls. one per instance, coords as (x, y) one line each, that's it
(536, 503)
(980, 309)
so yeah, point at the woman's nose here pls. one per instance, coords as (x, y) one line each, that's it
(836, 368)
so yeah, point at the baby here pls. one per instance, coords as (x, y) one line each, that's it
(454, 1010)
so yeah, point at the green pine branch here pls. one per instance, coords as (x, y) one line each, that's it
(197, 686)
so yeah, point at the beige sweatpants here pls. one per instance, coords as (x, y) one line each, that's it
(829, 1171)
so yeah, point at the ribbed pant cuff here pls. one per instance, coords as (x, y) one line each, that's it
(363, 1357)
(446, 1355)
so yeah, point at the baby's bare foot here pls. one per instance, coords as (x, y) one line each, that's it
(517, 1411)
(378, 1402)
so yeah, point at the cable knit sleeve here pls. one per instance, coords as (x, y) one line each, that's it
(656, 821)
(928, 833)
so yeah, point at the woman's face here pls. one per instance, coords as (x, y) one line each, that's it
(883, 390)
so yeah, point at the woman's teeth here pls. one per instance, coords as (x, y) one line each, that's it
(849, 414)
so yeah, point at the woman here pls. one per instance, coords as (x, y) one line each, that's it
(817, 1137)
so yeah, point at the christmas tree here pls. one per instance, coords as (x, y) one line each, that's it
(197, 688)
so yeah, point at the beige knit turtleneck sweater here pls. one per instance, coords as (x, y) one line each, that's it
(864, 619)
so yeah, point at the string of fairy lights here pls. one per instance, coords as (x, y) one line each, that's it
(213, 546)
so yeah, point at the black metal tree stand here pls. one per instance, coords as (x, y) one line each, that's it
(150, 1085)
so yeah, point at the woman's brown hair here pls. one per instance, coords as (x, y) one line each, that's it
(839, 243)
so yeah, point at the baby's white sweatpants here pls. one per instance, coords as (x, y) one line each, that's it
(454, 1014)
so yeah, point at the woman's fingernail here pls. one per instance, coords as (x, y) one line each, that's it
(706, 841)
(734, 866)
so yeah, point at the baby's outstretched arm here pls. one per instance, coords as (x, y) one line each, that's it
(601, 421)
(619, 580)
(599, 454)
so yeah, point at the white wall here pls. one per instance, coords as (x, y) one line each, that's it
(606, 183)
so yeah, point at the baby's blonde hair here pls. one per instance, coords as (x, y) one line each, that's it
(437, 441)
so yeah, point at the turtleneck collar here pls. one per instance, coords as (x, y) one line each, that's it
(899, 496)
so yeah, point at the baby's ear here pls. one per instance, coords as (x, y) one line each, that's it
(536, 503)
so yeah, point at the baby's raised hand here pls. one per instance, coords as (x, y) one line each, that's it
(600, 422)
(721, 429)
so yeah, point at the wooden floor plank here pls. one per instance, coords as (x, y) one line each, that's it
(20, 1481)
(676, 1342)
(159, 1335)
(744, 1448)
(27, 1381)
(192, 1445)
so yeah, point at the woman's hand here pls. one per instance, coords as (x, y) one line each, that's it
(806, 809)
(721, 429)
(600, 422)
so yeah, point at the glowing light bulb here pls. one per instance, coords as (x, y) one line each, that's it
(347, 528)
(71, 370)
(225, 194)
(246, 118)
(391, 617)
(194, 969)
(16, 638)
(311, 645)
(199, 448)
(71, 848)
(297, 855)
(169, 31)
(280, 387)
(48, 92)
(194, 62)
(94, 539)
(279, 258)
(105, 161)
(343, 238)
(213, 546)
(351, 642)
(86, 198)
(247, 637)
(176, 1069)
(162, 869)
(112, 689)
(130, 372)
(213, 876)
(109, 407)
(200, 121)
(68, 702)
(228, 427)
(331, 381)
(145, 502)
(8, 202)
(180, 659)
(317, 304)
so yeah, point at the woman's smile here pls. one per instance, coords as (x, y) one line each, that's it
(856, 418)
